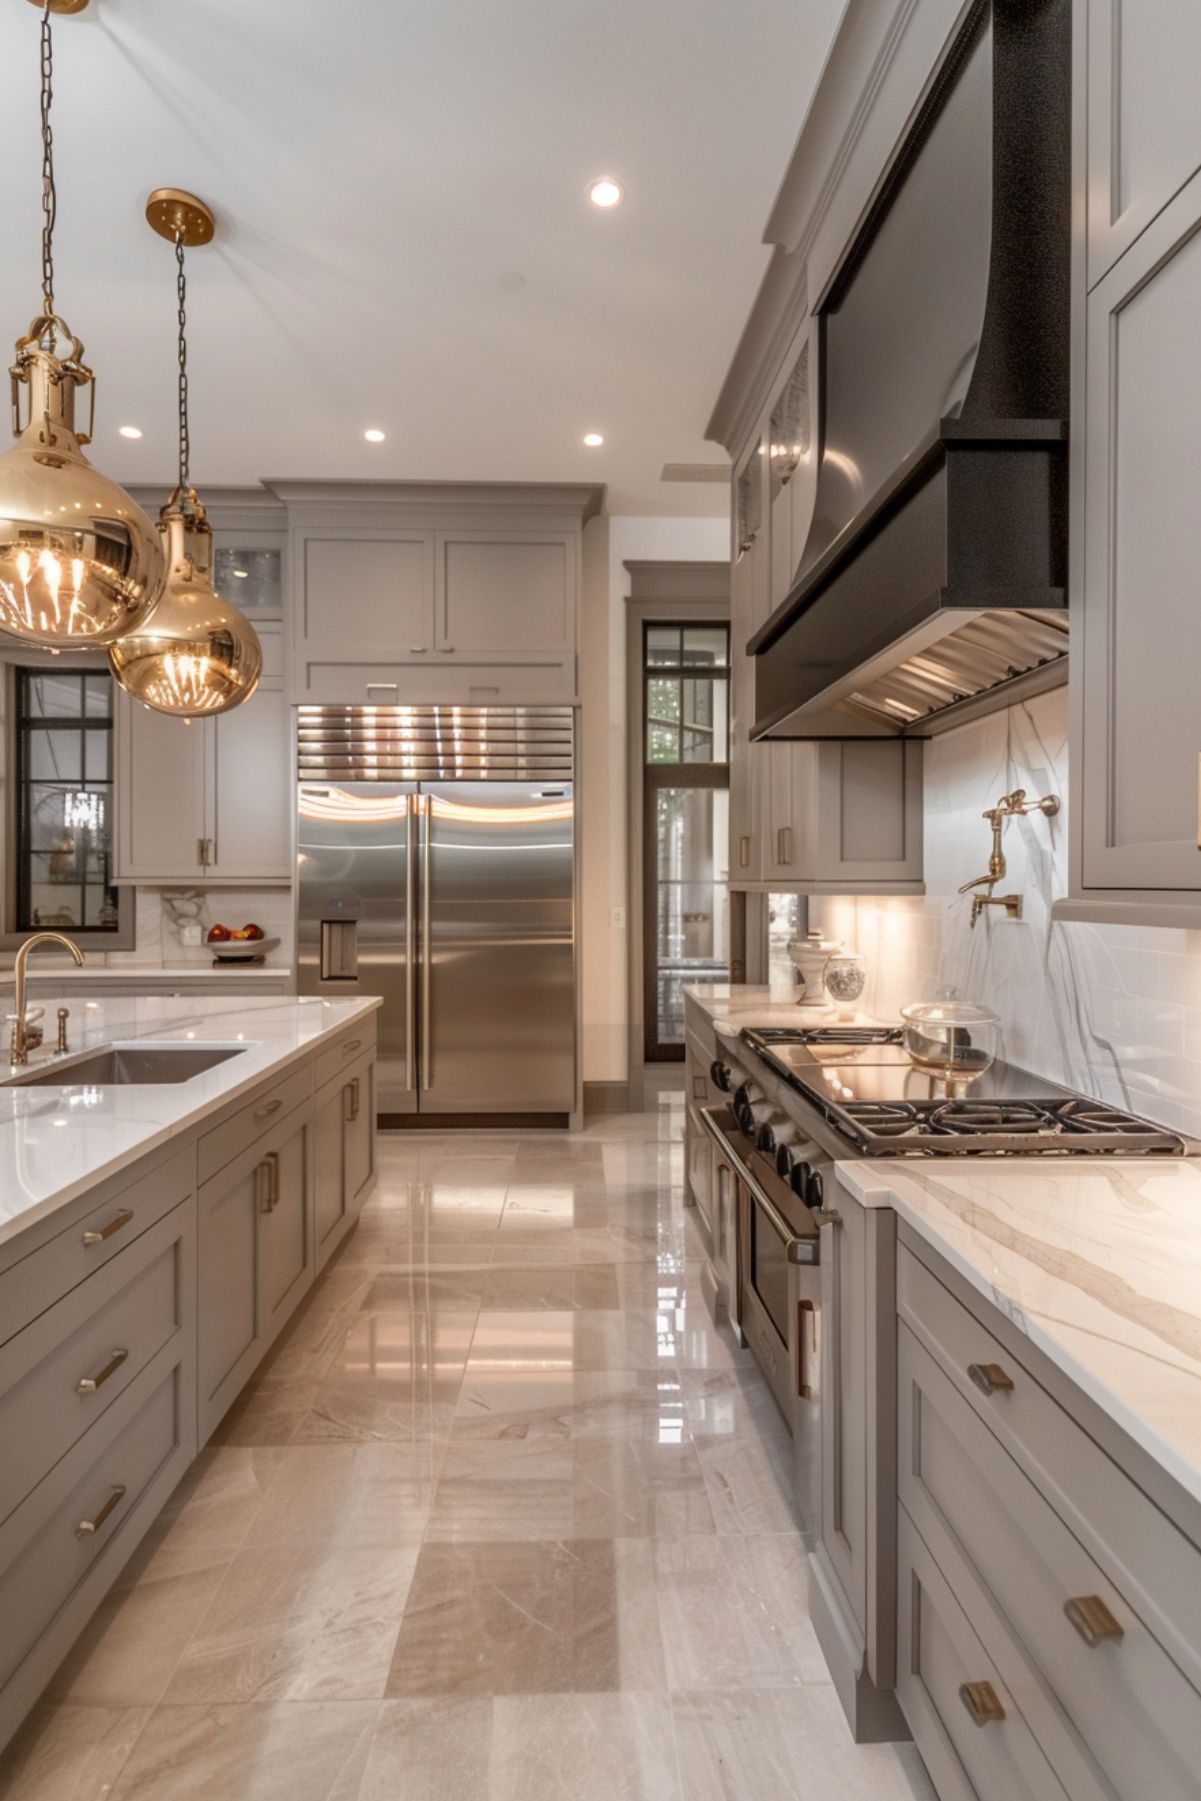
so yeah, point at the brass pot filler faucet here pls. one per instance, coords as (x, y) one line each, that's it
(1008, 806)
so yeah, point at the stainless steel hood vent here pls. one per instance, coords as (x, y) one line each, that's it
(933, 579)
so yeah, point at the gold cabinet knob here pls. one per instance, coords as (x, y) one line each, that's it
(982, 1702)
(990, 1378)
(1092, 1619)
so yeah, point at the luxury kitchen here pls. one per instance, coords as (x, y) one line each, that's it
(600, 867)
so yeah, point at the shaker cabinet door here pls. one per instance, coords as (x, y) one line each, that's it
(286, 1260)
(229, 1335)
(1141, 625)
(160, 798)
(844, 1401)
(251, 790)
(1144, 124)
(505, 593)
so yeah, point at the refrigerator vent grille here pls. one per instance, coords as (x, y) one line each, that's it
(424, 744)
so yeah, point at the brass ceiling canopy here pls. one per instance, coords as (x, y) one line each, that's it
(180, 217)
(62, 6)
(196, 654)
(80, 563)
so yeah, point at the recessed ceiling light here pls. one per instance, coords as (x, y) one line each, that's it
(606, 191)
(131, 431)
(375, 435)
(593, 440)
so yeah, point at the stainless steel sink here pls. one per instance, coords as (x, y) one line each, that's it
(131, 1066)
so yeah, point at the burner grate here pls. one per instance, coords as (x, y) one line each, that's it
(972, 1119)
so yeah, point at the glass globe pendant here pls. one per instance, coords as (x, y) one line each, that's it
(80, 562)
(196, 654)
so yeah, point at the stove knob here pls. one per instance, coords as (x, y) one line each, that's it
(815, 1192)
(785, 1161)
(801, 1178)
(721, 1076)
(765, 1139)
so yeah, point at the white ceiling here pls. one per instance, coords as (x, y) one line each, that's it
(384, 172)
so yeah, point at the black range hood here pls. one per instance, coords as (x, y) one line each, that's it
(933, 582)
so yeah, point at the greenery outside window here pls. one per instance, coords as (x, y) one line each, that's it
(60, 837)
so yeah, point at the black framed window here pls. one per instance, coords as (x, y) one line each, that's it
(686, 778)
(63, 814)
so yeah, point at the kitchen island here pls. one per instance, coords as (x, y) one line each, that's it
(155, 1238)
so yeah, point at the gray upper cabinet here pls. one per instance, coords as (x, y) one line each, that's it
(1136, 628)
(1144, 124)
(419, 595)
(505, 593)
(207, 802)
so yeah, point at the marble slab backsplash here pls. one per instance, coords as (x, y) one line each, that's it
(1114, 1011)
(164, 913)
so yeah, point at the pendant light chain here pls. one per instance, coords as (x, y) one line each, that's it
(185, 443)
(49, 194)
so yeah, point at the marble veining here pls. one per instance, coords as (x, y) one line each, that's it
(1096, 1260)
(56, 1143)
(504, 1517)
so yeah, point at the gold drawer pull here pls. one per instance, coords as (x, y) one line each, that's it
(270, 1108)
(1092, 1619)
(87, 1385)
(351, 1046)
(269, 1201)
(116, 1224)
(982, 1702)
(86, 1528)
(351, 1093)
(990, 1378)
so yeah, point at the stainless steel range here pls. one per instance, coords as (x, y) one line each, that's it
(861, 1083)
(802, 1100)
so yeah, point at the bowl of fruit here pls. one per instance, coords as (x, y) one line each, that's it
(239, 944)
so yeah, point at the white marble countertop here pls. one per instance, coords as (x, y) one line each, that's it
(44, 975)
(749, 1003)
(56, 1143)
(1097, 1260)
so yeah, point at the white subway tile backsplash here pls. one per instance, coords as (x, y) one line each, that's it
(1112, 1010)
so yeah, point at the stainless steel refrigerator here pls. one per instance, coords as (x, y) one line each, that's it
(436, 868)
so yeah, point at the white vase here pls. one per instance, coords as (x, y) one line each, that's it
(810, 956)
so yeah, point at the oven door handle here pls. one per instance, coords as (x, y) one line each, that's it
(799, 1250)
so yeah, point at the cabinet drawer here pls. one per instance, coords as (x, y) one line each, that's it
(1137, 1717)
(442, 677)
(1145, 1556)
(338, 1057)
(938, 1657)
(239, 1130)
(103, 1333)
(47, 1555)
(34, 1283)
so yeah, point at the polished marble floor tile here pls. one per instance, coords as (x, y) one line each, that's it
(126, 1654)
(297, 1751)
(645, 1404)
(505, 1517)
(298, 1621)
(70, 1753)
(546, 1488)
(574, 1617)
(598, 1747)
(352, 1495)
(735, 1612)
(736, 1746)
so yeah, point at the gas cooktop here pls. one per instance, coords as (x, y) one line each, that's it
(862, 1082)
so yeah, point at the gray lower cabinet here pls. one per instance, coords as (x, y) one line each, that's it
(257, 1257)
(853, 1562)
(130, 1320)
(344, 1153)
(1047, 1603)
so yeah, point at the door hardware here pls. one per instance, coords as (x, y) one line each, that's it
(88, 1385)
(990, 1378)
(117, 1223)
(86, 1528)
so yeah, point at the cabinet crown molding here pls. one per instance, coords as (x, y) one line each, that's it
(578, 501)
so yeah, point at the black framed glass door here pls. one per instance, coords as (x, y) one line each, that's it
(686, 779)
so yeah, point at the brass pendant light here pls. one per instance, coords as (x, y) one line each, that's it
(196, 654)
(79, 561)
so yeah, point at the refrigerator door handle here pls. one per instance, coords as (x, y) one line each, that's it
(427, 949)
(411, 943)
